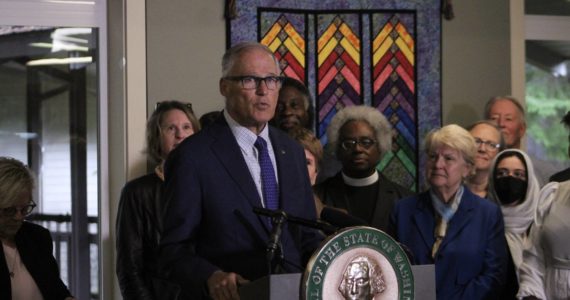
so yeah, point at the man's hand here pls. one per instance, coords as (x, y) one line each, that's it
(222, 285)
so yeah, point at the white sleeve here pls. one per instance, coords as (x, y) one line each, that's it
(532, 270)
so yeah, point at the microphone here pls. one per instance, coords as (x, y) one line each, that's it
(260, 242)
(277, 220)
(315, 224)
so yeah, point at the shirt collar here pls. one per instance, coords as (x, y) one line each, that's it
(245, 137)
(358, 182)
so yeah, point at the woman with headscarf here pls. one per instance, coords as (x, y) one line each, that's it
(513, 185)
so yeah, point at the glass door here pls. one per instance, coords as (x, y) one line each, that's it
(49, 99)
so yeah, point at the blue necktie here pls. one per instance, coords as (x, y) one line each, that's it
(268, 182)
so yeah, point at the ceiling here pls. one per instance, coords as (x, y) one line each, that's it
(548, 54)
(547, 7)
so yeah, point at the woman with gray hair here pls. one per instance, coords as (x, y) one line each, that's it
(28, 269)
(361, 135)
(449, 226)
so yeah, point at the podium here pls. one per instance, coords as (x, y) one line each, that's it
(288, 286)
(274, 287)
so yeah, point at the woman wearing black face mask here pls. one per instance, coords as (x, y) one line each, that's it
(513, 185)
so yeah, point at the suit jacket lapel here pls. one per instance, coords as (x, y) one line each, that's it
(424, 219)
(228, 152)
(460, 219)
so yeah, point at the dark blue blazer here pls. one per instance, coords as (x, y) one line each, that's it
(209, 223)
(472, 258)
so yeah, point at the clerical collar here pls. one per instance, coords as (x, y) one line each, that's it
(358, 182)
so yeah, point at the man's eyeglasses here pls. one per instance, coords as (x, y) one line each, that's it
(350, 144)
(518, 173)
(488, 145)
(253, 82)
(11, 211)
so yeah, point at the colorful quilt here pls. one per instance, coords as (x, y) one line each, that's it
(385, 54)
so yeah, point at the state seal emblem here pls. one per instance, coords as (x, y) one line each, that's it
(359, 263)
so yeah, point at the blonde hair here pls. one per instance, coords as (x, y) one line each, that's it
(15, 178)
(455, 137)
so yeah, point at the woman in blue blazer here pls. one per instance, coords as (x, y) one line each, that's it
(449, 226)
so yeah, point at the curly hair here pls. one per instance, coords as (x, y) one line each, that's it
(377, 283)
(374, 118)
(15, 178)
(153, 145)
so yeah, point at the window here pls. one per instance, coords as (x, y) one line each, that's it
(547, 51)
(49, 97)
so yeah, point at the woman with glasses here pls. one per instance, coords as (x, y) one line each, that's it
(489, 141)
(513, 185)
(139, 216)
(28, 269)
(361, 135)
(451, 227)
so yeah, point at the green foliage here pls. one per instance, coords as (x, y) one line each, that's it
(547, 101)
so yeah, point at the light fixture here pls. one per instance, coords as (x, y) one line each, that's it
(64, 47)
(60, 61)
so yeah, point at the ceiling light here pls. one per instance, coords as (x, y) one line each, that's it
(60, 61)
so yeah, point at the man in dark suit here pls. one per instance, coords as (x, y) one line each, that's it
(212, 240)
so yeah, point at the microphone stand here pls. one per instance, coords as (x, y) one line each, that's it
(273, 245)
(278, 217)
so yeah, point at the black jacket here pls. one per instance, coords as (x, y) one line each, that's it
(35, 246)
(333, 192)
(139, 224)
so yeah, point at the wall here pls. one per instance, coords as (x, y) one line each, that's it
(186, 39)
(185, 43)
(475, 59)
